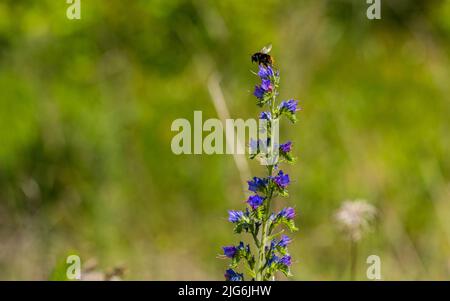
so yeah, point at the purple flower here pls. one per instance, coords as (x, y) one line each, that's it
(285, 260)
(229, 251)
(231, 275)
(265, 72)
(266, 85)
(265, 115)
(259, 92)
(290, 106)
(257, 184)
(284, 241)
(286, 147)
(255, 201)
(282, 179)
(235, 216)
(288, 213)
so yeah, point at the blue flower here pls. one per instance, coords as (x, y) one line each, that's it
(257, 184)
(282, 179)
(288, 213)
(255, 201)
(231, 275)
(265, 72)
(290, 106)
(235, 216)
(265, 115)
(284, 241)
(266, 85)
(259, 92)
(286, 147)
(229, 251)
(285, 260)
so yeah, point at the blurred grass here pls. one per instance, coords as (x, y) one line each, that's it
(86, 109)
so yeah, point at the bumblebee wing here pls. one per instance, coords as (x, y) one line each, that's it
(266, 49)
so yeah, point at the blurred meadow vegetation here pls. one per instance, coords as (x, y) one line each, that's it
(86, 107)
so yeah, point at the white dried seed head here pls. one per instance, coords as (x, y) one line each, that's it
(355, 218)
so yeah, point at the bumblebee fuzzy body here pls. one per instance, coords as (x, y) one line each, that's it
(262, 57)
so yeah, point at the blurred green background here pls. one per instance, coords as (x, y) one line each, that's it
(86, 108)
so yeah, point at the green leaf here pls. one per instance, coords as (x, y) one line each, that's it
(282, 251)
(260, 212)
(284, 269)
(290, 224)
(289, 115)
(287, 157)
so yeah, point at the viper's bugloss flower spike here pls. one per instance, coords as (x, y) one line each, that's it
(271, 253)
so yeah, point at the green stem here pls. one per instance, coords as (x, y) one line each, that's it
(353, 256)
(255, 238)
(261, 254)
(262, 260)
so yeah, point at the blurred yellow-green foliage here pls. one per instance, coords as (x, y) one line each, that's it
(86, 108)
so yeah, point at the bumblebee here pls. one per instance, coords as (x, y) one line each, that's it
(263, 57)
